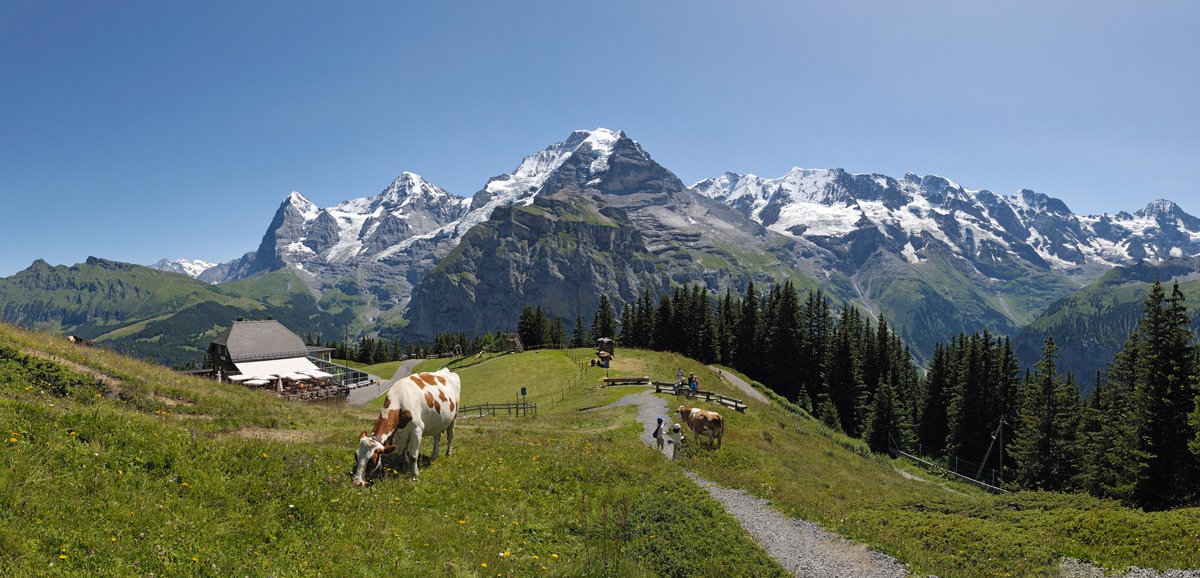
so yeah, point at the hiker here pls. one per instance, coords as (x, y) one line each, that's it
(660, 436)
(693, 385)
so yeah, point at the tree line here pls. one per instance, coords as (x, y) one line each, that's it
(1136, 438)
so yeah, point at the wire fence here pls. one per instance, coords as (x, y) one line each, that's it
(973, 473)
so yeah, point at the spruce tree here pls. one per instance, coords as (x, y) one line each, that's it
(1043, 450)
(815, 343)
(579, 334)
(745, 335)
(932, 427)
(664, 324)
(558, 333)
(604, 323)
(844, 370)
(885, 417)
(1165, 471)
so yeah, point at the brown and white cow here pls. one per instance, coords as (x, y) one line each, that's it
(703, 422)
(417, 405)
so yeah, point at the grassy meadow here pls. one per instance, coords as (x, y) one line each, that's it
(110, 466)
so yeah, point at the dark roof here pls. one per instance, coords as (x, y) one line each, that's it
(267, 339)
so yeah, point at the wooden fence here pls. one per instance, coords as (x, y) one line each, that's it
(510, 409)
(709, 396)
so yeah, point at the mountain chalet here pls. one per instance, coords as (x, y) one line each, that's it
(266, 355)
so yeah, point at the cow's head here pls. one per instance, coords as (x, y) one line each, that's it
(368, 456)
(683, 412)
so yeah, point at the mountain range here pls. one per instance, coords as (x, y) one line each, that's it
(595, 214)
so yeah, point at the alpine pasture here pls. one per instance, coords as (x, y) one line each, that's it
(112, 466)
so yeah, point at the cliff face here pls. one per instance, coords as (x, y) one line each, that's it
(561, 252)
(566, 249)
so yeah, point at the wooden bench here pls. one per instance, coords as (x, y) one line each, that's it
(643, 380)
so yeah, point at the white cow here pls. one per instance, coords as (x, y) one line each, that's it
(417, 405)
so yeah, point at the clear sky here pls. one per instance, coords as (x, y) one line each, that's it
(135, 131)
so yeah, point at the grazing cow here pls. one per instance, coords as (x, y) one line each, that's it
(703, 422)
(417, 405)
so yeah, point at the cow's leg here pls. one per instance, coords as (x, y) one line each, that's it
(415, 446)
(449, 438)
(436, 438)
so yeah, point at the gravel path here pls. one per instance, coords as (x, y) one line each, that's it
(740, 383)
(364, 395)
(804, 548)
(801, 547)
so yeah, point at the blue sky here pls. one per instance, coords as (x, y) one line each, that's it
(135, 131)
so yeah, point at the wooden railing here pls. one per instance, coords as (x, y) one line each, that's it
(511, 409)
(735, 403)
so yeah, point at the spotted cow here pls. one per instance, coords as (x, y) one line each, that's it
(417, 405)
(703, 422)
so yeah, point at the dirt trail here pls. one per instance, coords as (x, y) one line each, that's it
(364, 395)
(802, 547)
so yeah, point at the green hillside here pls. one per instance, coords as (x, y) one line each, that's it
(116, 467)
(151, 314)
(1091, 325)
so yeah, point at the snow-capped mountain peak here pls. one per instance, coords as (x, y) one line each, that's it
(190, 267)
(533, 171)
(527, 180)
(304, 207)
(827, 205)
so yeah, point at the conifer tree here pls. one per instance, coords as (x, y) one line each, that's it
(727, 315)
(745, 344)
(933, 427)
(579, 334)
(1164, 471)
(885, 417)
(664, 325)
(628, 335)
(705, 325)
(1095, 447)
(968, 418)
(815, 342)
(645, 319)
(558, 333)
(844, 370)
(604, 323)
(782, 342)
(1043, 448)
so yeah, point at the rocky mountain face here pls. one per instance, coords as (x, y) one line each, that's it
(375, 247)
(600, 218)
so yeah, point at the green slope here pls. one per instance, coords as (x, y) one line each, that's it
(1091, 325)
(153, 472)
(157, 315)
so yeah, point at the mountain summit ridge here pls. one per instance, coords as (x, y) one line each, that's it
(927, 253)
